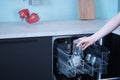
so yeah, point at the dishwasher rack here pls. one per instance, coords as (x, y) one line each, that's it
(93, 60)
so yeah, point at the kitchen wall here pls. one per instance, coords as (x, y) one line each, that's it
(118, 5)
(54, 9)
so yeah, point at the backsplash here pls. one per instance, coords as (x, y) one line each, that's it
(54, 9)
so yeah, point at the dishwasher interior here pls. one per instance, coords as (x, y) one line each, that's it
(71, 63)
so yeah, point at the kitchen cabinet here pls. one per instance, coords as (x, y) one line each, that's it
(26, 58)
(112, 42)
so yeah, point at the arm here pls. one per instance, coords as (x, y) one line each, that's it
(106, 29)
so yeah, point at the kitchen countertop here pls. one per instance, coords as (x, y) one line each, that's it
(50, 28)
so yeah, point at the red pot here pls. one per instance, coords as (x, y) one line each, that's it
(23, 13)
(32, 18)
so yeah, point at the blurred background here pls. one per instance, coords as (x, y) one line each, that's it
(56, 9)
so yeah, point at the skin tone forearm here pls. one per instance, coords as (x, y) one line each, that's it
(107, 28)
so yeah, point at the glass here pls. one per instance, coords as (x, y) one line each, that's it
(77, 54)
(77, 50)
(88, 57)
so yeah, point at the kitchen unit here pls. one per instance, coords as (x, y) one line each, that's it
(26, 59)
(26, 51)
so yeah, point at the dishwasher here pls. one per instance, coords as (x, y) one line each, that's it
(71, 63)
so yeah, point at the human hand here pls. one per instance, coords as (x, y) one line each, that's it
(85, 42)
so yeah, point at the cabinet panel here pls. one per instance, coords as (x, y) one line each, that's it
(112, 41)
(26, 59)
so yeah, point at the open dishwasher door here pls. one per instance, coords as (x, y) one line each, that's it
(71, 63)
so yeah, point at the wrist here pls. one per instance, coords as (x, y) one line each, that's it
(94, 38)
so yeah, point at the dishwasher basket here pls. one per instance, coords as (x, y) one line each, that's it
(94, 59)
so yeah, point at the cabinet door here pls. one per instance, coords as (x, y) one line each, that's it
(26, 59)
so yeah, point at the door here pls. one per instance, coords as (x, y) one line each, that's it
(26, 59)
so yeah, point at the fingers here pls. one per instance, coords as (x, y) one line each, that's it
(79, 44)
(85, 46)
(84, 43)
(81, 41)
